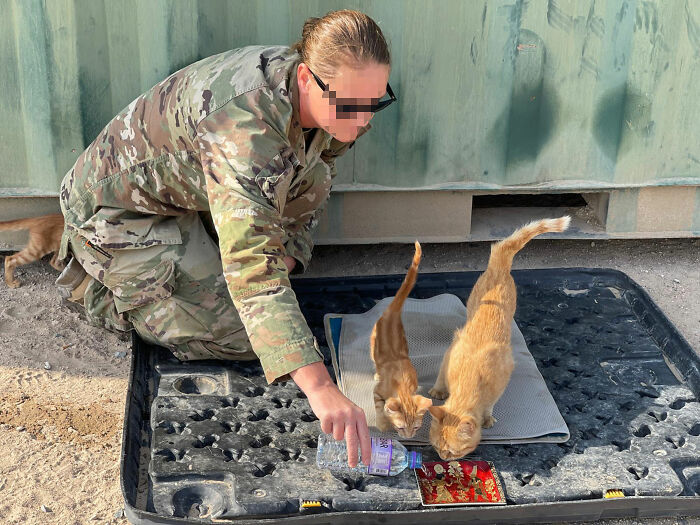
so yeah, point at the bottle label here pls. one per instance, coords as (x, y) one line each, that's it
(380, 463)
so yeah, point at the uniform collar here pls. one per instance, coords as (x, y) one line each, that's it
(295, 133)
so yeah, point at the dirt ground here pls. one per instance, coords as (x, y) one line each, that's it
(63, 382)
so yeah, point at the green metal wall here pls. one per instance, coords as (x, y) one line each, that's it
(544, 94)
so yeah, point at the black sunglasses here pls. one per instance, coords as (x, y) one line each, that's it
(343, 108)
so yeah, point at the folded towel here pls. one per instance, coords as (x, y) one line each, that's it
(526, 413)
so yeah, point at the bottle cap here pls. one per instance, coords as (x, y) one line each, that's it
(415, 460)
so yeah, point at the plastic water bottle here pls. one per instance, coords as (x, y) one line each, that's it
(389, 457)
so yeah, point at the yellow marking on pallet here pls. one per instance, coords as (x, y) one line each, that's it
(613, 493)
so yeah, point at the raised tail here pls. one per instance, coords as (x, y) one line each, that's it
(408, 282)
(502, 252)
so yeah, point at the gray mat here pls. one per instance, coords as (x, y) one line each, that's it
(526, 413)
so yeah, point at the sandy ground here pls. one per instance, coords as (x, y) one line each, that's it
(63, 382)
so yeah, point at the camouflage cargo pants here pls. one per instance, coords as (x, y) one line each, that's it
(171, 295)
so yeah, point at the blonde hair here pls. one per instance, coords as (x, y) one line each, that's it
(342, 37)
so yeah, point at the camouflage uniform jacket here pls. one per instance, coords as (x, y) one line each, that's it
(220, 135)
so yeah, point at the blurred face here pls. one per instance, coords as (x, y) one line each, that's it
(344, 108)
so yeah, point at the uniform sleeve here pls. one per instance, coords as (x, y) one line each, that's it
(248, 165)
(300, 244)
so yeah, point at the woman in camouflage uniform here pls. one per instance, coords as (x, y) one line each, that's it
(249, 139)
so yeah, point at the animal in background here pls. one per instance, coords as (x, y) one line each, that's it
(44, 237)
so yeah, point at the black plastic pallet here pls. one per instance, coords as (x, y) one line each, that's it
(211, 439)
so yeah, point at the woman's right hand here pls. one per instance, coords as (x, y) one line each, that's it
(338, 415)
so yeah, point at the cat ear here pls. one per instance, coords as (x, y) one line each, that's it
(438, 413)
(466, 427)
(392, 405)
(422, 403)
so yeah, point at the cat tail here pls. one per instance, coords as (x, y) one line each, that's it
(26, 224)
(503, 252)
(19, 224)
(408, 282)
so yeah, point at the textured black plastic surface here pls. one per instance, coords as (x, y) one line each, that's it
(212, 439)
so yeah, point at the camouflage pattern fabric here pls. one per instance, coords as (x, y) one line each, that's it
(173, 295)
(220, 136)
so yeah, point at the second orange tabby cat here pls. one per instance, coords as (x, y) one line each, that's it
(477, 367)
(395, 400)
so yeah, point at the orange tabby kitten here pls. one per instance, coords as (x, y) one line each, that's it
(44, 238)
(477, 367)
(395, 399)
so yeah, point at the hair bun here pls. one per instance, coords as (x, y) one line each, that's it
(309, 27)
(343, 36)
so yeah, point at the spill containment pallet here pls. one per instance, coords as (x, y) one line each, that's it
(212, 440)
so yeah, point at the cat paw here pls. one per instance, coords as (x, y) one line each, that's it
(489, 421)
(382, 422)
(436, 393)
(14, 284)
(384, 426)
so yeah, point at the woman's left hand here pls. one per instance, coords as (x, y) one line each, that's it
(290, 262)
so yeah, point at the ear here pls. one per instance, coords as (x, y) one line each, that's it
(392, 405)
(438, 413)
(422, 403)
(466, 427)
(304, 76)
